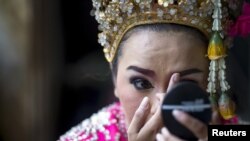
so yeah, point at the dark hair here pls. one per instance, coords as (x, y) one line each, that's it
(160, 27)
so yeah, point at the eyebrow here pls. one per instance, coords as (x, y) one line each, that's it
(152, 73)
(142, 70)
(189, 71)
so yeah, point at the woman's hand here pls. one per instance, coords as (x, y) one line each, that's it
(197, 127)
(141, 129)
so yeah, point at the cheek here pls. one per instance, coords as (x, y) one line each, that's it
(130, 99)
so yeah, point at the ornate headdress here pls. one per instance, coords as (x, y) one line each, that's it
(211, 17)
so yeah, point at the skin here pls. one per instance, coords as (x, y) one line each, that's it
(151, 63)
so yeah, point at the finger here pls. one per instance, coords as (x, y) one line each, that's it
(159, 137)
(160, 97)
(194, 125)
(153, 124)
(215, 118)
(173, 80)
(165, 131)
(139, 117)
(166, 135)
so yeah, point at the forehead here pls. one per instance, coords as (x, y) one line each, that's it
(163, 49)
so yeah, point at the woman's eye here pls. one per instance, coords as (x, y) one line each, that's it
(141, 84)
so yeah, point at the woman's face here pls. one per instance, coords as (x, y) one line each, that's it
(147, 62)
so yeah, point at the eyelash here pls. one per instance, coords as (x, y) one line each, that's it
(140, 83)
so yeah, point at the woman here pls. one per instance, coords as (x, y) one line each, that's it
(151, 46)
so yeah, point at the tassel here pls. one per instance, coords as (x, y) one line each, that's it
(217, 75)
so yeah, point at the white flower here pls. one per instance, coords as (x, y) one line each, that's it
(222, 75)
(224, 86)
(211, 87)
(222, 64)
(213, 65)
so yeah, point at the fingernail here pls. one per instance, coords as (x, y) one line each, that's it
(144, 103)
(177, 113)
(158, 137)
(176, 77)
(160, 95)
(164, 131)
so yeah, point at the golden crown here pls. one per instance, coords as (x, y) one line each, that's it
(116, 17)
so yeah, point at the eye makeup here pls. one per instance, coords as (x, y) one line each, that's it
(140, 83)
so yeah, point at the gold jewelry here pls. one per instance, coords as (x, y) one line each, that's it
(217, 68)
(116, 17)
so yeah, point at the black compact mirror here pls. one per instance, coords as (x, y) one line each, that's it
(188, 97)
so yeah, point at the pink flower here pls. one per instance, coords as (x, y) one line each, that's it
(242, 26)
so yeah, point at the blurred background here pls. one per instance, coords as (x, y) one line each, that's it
(52, 70)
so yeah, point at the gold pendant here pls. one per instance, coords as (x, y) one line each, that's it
(226, 106)
(216, 48)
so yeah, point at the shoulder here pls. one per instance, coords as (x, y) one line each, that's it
(106, 124)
